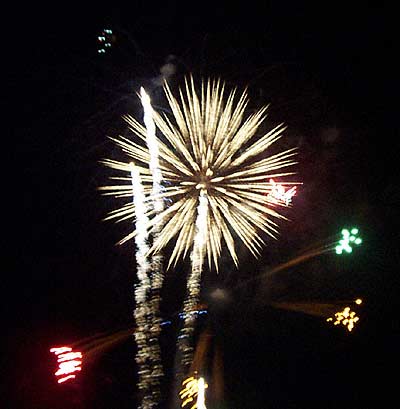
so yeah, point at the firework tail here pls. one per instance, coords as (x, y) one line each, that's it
(157, 274)
(185, 338)
(142, 289)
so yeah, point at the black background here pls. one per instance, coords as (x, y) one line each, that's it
(328, 72)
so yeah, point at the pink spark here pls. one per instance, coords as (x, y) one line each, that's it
(279, 195)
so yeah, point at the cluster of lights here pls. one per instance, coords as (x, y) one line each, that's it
(68, 363)
(346, 317)
(193, 393)
(349, 238)
(279, 195)
(105, 39)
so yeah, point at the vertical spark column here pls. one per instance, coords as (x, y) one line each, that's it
(142, 290)
(157, 274)
(201, 385)
(193, 284)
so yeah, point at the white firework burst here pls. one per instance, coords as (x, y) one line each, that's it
(207, 147)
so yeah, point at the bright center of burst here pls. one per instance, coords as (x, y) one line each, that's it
(204, 179)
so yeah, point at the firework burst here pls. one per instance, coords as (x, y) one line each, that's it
(215, 169)
(207, 149)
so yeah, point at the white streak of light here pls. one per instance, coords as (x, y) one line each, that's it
(194, 279)
(201, 385)
(141, 228)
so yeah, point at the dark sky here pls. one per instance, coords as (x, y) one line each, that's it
(329, 74)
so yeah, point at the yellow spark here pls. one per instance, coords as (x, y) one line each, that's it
(346, 317)
(193, 393)
(207, 146)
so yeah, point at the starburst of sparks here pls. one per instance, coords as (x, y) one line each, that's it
(208, 148)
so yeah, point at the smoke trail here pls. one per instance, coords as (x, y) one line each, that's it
(157, 274)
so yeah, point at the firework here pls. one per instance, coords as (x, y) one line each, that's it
(215, 169)
(193, 392)
(193, 282)
(346, 317)
(349, 238)
(142, 312)
(207, 148)
(69, 362)
(156, 275)
(279, 194)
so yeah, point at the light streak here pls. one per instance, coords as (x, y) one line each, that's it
(157, 275)
(142, 289)
(62, 380)
(68, 363)
(201, 386)
(193, 392)
(193, 283)
(60, 350)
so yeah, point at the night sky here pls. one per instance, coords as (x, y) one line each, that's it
(329, 74)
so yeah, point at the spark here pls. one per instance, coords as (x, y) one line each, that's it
(208, 145)
(201, 386)
(193, 392)
(279, 195)
(346, 317)
(68, 363)
(349, 238)
(329, 310)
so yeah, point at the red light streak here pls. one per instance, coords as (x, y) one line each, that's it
(70, 356)
(60, 350)
(61, 380)
(68, 363)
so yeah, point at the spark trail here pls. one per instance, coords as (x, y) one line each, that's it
(157, 275)
(193, 284)
(142, 312)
